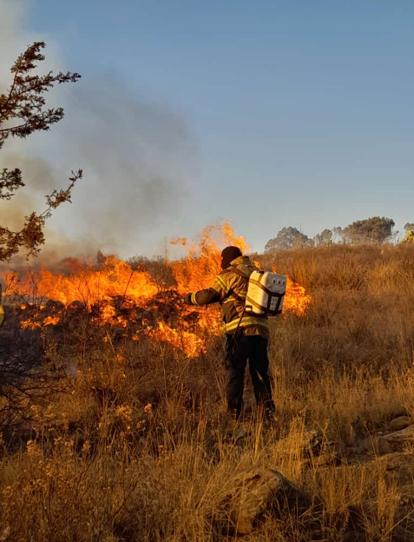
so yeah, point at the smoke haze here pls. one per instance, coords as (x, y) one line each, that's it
(137, 158)
(12, 36)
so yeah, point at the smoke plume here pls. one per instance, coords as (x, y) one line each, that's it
(137, 158)
(12, 36)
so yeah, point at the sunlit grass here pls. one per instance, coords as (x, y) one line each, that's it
(138, 446)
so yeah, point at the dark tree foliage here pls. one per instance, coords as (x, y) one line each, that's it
(409, 226)
(286, 238)
(23, 111)
(371, 230)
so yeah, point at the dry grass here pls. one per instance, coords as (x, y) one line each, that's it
(137, 448)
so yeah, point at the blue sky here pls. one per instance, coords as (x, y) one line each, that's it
(299, 112)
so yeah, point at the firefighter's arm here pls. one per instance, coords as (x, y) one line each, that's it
(216, 293)
(202, 297)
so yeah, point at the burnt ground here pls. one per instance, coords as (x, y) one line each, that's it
(22, 335)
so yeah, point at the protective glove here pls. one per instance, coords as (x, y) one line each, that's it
(187, 299)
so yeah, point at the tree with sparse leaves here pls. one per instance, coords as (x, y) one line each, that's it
(23, 111)
(324, 238)
(370, 230)
(288, 237)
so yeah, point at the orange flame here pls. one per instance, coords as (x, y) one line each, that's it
(202, 262)
(296, 299)
(86, 283)
(190, 343)
(111, 279)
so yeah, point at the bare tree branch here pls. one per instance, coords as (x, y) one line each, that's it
(23, 111)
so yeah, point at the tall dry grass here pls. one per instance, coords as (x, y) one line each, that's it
(138, 446)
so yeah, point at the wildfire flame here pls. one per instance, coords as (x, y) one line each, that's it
(296, 299)
(85, 282)
(97, 286)
(191, 343)
(202, 261)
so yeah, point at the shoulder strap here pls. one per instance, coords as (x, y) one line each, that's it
(243, 276)
(240, 273)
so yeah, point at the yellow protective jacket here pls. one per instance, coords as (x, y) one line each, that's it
(229, 288)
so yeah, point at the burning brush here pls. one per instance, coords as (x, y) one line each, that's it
(129, 299)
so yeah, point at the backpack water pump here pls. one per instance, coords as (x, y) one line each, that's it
(265, 293)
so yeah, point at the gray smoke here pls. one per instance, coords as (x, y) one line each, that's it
(137, 161)
(12, 36)
(137, 158)
(41, 178)
(13, 40)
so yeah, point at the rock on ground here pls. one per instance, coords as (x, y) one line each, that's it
(256, 492)
(398, 439)
(400, 423)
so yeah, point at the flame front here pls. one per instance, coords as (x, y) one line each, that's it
(202, 261)
(86, 283)
(116, 294)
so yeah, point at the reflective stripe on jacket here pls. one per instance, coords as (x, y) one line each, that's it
(229, 288)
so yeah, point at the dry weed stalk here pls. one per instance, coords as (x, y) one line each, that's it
(139, 447)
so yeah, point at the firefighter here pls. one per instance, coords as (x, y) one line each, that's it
(246, 334)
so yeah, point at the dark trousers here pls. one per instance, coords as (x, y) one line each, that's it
(241, 349)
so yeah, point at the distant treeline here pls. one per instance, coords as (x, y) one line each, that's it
(377, 230)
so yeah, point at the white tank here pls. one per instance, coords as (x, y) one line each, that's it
(265, 293)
